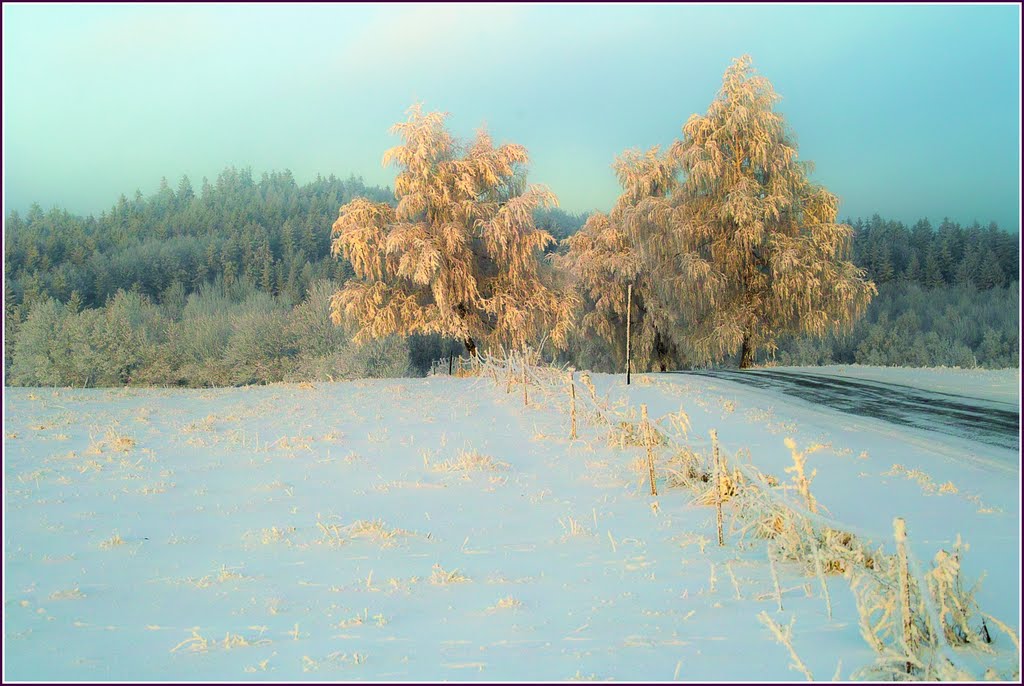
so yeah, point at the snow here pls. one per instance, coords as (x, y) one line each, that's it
(997, 385)
(231, 503)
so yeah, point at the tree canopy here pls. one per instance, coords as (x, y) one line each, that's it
(605, 258)
(460, 254)
(748, 248)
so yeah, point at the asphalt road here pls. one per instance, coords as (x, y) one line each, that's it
(987, 421)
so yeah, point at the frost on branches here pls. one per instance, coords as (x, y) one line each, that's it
(460, 255)
(724, 237)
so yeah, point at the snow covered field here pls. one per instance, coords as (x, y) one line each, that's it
(431, 529)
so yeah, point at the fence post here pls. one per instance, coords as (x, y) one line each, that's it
(508, 376)
(718, 486)
(899, 528)
(646, 428)
(572, 395)
(629, 316)
(525, 401)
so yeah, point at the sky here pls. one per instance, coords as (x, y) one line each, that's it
(906, 111)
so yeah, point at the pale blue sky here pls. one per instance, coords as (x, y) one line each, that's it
(908, 111)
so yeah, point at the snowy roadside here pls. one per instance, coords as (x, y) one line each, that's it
(997, 385)
(438, 529)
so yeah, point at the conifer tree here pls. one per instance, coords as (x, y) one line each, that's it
(460, 254)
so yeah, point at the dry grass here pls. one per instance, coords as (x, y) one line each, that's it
(380, 436)
(627, 434)
(507, 603)
(784, 635)
(112, 441)
(333, 660)
(469, 461)
(358, 620)
(685, 468)
(377, 531)
(204, 425)
(729, 486)
(331, 535)
(801, 480)
(156, 489)
(926, 482)
(442, 577)
(112, 542)
(573, 528)
(224, 574)
(68, 594)
(197, 643)
(763, 507)
(272, 535)
(292, 444)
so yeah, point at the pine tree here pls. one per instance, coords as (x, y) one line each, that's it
(990, 274)
(12, 322)
(460, 254)
(185, 194)
(267, 273)
(752, 249)
(913, 271)
(74, 303)
(932, 270)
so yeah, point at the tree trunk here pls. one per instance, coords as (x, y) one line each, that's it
(661, 352)
(747, 355)
(470, 346)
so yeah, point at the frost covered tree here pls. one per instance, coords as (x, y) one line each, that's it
(750, 248)
(605, 257)
(460, 254)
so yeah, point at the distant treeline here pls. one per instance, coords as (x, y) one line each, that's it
(272, 232)
(229, 286)
(948, 256)
(221, 335)
(946, 297)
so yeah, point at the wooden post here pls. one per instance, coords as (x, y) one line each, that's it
(572, 396)
(718, 486)
(525, 401)
(899, 529)
(629, 316)
(451, 360)
(508, 377)
(646, 428)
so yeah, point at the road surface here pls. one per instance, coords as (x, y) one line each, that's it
(988, 421)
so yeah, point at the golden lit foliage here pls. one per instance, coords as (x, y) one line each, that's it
(604, 256)
(460, 254)
(757, 241)
(741, 248)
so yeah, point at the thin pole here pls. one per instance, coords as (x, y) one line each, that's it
(629, 316)
(899, 526)
(718, 490)
(572, 395)
(525, 401)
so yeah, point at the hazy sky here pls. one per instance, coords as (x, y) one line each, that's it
(907, 111)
